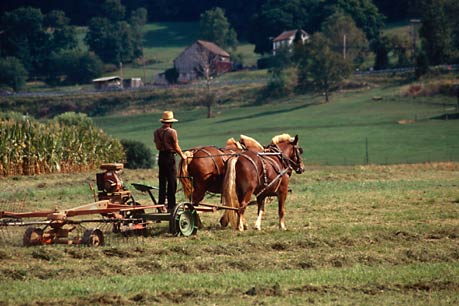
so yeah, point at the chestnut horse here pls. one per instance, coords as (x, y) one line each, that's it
(262, 174)
(205, 167)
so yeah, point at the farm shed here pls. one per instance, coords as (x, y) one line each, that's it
(201, 54)
(132, 83)
(286, 38)
(108, 82)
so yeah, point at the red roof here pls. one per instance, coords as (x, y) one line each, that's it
(213, 48)
(288, 34)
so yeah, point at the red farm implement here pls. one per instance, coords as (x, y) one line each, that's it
(113, 205)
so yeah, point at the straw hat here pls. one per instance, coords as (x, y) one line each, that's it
(168, 117)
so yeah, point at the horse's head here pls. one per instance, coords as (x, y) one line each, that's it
(291, 151)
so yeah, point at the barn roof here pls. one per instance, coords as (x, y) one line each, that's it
(213, 48)
(105, 79)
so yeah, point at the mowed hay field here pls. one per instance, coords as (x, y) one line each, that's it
(365, 235)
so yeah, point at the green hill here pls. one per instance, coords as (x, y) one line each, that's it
(394, 129)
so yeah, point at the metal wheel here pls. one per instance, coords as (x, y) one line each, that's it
(184, 220)
(32, 236)
(93, 237)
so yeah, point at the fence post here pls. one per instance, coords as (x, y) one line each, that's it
(366, 151)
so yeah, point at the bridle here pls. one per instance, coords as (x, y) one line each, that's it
(295, 163)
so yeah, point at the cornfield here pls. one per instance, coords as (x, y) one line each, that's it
(28, 147)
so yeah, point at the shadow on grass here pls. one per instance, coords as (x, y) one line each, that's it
(170, 35)
(451, 116)
(267, 113)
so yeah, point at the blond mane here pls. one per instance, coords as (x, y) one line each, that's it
(281, 138)
(251, 143)
(231, 143)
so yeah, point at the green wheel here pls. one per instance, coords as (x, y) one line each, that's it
(184, 220)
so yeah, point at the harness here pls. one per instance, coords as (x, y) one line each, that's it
(286, 164)
(224, 156)
(265, 158)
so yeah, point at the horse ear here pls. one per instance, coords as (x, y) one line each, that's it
(295, 141)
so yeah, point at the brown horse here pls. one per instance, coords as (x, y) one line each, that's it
(205, 167)
(263, 174)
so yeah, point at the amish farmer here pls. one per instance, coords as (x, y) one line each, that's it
(166, 142)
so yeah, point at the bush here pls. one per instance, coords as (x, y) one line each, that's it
(265, 62)
(281, 83)
(12, 73)
(74, 119)
(138, 155)
(171, 75)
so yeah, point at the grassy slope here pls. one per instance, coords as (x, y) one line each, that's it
(333, 133)
(357, 235)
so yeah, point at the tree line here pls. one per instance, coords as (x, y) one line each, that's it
(41, 42)
(45, 46)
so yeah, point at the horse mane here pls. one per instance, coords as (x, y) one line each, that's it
(281, 138)
(184, 174)
(231, 143)
(251, 143)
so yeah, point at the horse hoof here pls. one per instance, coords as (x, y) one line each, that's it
(224, 222)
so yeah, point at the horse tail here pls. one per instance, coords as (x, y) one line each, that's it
(184, 175)
(229, 193)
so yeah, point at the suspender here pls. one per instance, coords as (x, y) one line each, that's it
(161, 138)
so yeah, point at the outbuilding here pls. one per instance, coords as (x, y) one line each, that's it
(108, 82)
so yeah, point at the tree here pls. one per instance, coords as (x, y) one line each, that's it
(324, 69)
(139, 18)
(381, 48)
(73, 67)
(365, 14)
(436, 31)
(206, 68)
(63, 36)
(113, 39)
(276, 16)
(346, 37)
(215, 27)
(32, 37)
(421, 64)
(113, 10)
(400, 45)
(12, 73)
(23, 36)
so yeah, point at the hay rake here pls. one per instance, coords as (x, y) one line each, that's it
(114, 206)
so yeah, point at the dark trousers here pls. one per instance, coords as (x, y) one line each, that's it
(167, 179)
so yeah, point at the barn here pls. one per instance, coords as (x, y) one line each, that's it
(200, 57)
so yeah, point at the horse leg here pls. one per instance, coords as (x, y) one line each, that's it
(281, 199)
(261, 211)
(198, 192)
(242, 206)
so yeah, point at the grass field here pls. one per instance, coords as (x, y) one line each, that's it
(395, 129)
(365, 235)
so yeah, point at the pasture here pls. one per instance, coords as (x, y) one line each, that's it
(352, 127)
(366, 235)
